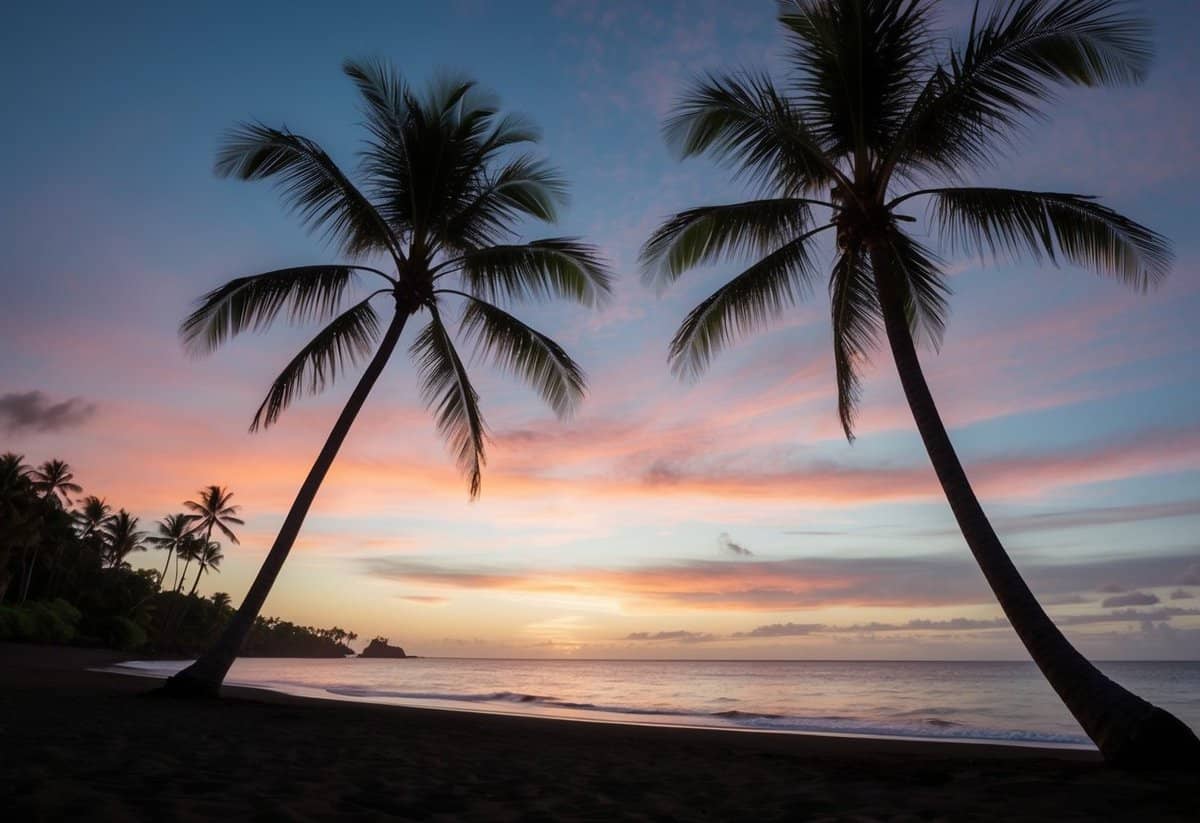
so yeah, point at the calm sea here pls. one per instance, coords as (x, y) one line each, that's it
(952, 700)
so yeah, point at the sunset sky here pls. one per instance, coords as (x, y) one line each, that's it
(724, 518)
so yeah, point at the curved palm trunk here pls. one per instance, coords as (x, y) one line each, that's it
(1126, 728)
(162, 578)
(180, 579)
(199, 574)
(203, 678)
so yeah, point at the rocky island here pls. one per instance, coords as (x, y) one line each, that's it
(379, 648)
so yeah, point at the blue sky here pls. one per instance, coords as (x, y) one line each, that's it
(1073, 400)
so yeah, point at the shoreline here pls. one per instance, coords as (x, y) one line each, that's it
(79, 743)
(1036, 747)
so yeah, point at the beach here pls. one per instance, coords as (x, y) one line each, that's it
(79, 744)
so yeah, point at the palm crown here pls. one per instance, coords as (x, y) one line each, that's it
(212, 509)
(877, 112)
(444, 189)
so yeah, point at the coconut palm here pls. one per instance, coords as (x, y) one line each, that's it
(210, 557)
(173, 531)
(446, 187)
(17, 513)
(212, 509)
(55, 481)
(189, 549)
(881, 113)
(122, 537)
(92, 514)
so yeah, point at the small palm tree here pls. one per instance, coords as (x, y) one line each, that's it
(122, 537)
(212, 509)
(173, 530)
(221, 600)
(189, 549)
(210, 558)
(879, 113)
(445, 192)
(93, 513)
(55, 481)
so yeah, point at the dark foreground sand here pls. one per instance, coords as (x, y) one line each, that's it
(76, 745)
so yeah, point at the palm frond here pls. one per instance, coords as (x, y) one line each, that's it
(524, 187)
(555, 267)
(857, 64)
(710, 233)
(525, 353)
(854, 309)
(1050, 225)
(253, 303)
(746, 303)
(923, 286)
(1008, 70)
(311, 184)
(743, 121)
(449, 394)
(341, 344)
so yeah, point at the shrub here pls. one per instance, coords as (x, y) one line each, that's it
(122, 633)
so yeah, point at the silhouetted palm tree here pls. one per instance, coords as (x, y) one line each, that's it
(122, 537)
(17, 516)
(189, 549)
(210, 557)
(54, 480)
(444, 195)
(212, 509)
(92, 514)
(878, 109)
(173, 531)
(221, 600)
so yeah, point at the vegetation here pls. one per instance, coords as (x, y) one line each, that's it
(878, 113)
(65, 576)
(446, 186)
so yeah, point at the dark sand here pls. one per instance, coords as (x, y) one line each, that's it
(78, 745)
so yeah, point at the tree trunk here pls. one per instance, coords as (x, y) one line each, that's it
(204, 677)
(162, 577)
(199, 574)
(181, 579)
(1127, 729)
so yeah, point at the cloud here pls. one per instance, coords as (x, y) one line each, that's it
(1112, 588)
(782, 630)
(678, 636)
(780, 585)
(1131, 599)
(426, 599)
(1182, 594)
(1191, 575)
(33, 411)
(725, 542)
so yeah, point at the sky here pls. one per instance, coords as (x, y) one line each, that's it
(721, 518)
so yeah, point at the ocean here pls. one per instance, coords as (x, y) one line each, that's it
(967, 701)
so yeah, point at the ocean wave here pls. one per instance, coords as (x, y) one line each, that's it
(896, 726)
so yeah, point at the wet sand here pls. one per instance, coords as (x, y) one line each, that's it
(76, 744)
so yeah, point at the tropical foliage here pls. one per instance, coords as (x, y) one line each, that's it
(65, 576)
(881, 112)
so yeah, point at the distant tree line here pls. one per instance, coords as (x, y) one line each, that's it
(65, 575)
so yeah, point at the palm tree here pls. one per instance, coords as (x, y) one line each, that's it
(173, 530)
(122, 537)
(189, 549)
(221, 600)
(212, 509)
(445, 192)
(55, 481)
(93, 513)
(881, 112)
(17, 512)
(210, 558)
